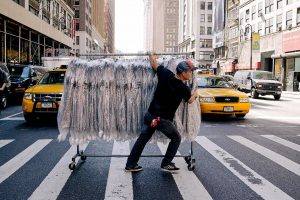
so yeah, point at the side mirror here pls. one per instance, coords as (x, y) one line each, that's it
(34, 74)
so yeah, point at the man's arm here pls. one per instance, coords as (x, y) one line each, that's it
(193, 97)
(3, 86)
(153, 62)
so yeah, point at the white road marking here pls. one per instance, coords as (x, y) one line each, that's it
(253, 180)
(57, 178)
(12, 119)
(5, 142)
(119, 182)
(283, 142)
(275, 157)
(188, 184)
(7, 118)
(19, 160)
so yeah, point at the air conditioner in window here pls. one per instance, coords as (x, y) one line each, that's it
(279, 28)
(290, 27)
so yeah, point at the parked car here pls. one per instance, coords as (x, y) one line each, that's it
(22, 77)
(4, 101)
(218, 96)
(43, 99)
(258, 83)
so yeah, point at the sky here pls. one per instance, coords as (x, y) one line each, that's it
(129, 29)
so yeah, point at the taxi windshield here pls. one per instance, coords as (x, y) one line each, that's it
(56, 77)
(213, 82)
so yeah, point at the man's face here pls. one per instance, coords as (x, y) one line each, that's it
(187, 75)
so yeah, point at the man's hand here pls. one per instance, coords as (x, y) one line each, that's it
(193, 97)
(153, 62)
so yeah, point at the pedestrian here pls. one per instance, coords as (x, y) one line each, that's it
(3, 81)
(169, 93)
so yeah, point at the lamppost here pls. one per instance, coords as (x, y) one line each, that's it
(247, 27)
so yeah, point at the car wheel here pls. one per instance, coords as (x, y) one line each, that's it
(277, 97)
(29, 118)
(240, 115)
(254, 94)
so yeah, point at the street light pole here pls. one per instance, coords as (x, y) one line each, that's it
(248, 26)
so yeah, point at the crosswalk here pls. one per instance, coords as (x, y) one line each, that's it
(190, 185)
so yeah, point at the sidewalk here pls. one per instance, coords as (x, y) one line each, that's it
(291, 93)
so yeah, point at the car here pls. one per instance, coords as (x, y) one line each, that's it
(22, 77)
(218, 96)
(258, 82)
(5, 99)
(43, 99)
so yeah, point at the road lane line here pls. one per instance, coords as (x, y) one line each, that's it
(57, 178)
(188, 184)
(252, 179)
(275, 157)
(283, 142)
(19, 160)
(4, 142)
(13, 119)
(119, 182)
(5, 118)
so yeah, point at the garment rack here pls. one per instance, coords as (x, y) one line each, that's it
(189, 159)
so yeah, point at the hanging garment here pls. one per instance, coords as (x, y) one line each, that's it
(107, 99)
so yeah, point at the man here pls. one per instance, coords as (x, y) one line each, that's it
(168, 95)
(3, 79)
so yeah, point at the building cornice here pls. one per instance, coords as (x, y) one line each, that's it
(246, 3)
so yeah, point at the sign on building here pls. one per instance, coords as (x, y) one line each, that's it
(255, 41)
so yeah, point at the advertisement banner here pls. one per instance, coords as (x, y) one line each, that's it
(255, 41)
(218, 24)
(291, 41)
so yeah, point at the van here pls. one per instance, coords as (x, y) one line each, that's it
(258, 82)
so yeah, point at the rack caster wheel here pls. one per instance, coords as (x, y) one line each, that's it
(72, 166)
(187, 159)
(83, 157)
(191, 167)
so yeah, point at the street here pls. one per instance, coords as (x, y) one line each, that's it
(253, 158)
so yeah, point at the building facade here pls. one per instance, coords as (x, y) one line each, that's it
(195, 30)
(31, 29)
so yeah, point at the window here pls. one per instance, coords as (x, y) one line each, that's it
(241, 18)
(205, 55)
(279, 22)
(87, 42)
(202, 18)
(209, 31)
(260, 28)
(253, 12)
(205, 43)
(259, 7)
(209, 5)
(76, 2)
(202, 5)
(289, 16)
(279, 4)
(247, 15)
(288, 2)
(298, 17)
(209, 18)
(269, 6)
(33, 10)
(77, 26)
(77, 40)
(269, 26)
(202, 30)
(77, 14)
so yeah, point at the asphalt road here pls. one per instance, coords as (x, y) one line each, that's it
(253, 158)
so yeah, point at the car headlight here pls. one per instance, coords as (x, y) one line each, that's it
(207, 99)
(28, 96)
(279, 86)
(258, 85)
(244, 100)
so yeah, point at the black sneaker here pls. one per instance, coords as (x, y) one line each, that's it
(136, 168)
(170, 167)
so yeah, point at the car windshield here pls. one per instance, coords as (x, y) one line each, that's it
(213, 82)
(263, 75)
(19, 72)
(53, 78)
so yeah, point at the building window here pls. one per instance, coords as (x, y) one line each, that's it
(76, 2)
(205, 43)
(202, 5)
(253, 12)
(202, 18)
(77, 26)
(77, 40)
(269, 7)
(241, 18)
(269, 26)
(86, 42)
(279, 4)
(260, 28)
(33, 10)
(209, 31)
(289, 16)
(77, 14)
(298, 17)
(279, 22)
(202, 30)
(247, 15)
(288, 2)
(209, 5)
(209, 18)
(205, 55)
(259, 8)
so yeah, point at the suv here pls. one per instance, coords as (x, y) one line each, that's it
(258, 83)
(44, 97)
(24, 76)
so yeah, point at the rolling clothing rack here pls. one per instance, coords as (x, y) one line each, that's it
(189, 159)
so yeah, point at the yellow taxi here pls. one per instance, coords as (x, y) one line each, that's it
(218, 96)
(43, 99)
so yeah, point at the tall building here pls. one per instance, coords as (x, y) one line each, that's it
(195, 29)
(109, 25)
(31, 29)
(161, 25)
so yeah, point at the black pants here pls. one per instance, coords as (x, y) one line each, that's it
(167, 128)
(1, 97)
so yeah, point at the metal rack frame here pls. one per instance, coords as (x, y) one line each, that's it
(189, 159)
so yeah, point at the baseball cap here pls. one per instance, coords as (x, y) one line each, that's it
(184, 66)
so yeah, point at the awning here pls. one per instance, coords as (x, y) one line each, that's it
(286, 55)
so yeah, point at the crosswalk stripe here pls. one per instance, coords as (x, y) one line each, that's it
(253, 180)
(54, 182)
(4, 142)
(188, 184)
(283, 142)
(119, 182)
(19, 160)
(275, 157)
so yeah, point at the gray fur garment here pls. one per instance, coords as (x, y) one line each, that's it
(106, 99)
